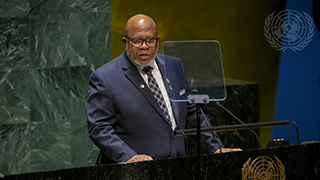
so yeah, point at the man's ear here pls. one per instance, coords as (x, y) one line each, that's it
(124, 40)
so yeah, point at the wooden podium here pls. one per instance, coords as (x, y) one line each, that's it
(289, 162)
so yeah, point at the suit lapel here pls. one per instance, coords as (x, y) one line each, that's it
(132, 73)
(166, 79)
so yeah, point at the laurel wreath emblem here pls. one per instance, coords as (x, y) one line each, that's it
(283, 47)
(263, 167)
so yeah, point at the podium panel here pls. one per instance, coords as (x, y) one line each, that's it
(290, 162)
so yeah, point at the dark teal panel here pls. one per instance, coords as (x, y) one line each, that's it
(74, 39)
(50, 117)
(14, 44)
(15, 97)
(46, 57)
(83, 151)
(59, 128)
(14, 8)
(15, 149)
(67, 6)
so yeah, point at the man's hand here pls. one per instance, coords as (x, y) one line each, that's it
(140, 157)
(224, 150)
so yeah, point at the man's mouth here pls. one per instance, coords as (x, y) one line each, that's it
(144, 56)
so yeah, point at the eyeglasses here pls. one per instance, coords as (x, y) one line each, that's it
(151, 42)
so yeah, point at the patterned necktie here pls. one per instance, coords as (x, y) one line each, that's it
(153, 85)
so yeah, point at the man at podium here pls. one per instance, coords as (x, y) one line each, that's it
(130, 117)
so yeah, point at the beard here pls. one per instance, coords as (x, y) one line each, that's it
(135, 61)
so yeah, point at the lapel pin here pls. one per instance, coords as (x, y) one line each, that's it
(141, 86)
(182, 92)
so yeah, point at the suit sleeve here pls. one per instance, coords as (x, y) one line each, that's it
(101, 119)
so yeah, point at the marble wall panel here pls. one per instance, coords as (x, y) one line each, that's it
(14, 97)
(69, 39)
(14, 121)
(14, 43)
(50, 117)
(14, 8)
(62, 6)
(15, 148)
(59, 128)
(48, 49)
(83, 151)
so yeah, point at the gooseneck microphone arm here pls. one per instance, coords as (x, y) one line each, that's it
(235, 117)
(297, 131)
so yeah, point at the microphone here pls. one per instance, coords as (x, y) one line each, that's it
(235, 117)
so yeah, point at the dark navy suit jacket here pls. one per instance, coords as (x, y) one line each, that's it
(124, 119)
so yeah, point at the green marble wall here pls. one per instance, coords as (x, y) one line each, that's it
(48, 49)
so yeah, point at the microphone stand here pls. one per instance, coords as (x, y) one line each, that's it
(198, 100)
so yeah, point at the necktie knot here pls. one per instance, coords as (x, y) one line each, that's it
(147, 70)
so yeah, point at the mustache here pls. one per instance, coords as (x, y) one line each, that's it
(133, 59)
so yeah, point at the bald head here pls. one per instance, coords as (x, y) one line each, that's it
(141, 34)
(139, 23)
